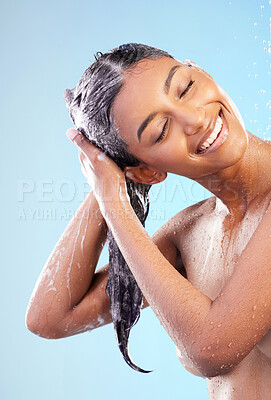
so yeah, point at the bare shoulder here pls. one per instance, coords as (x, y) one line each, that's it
(167, 237)
(184, 220)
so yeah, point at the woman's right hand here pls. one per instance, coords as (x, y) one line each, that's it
(106, 179)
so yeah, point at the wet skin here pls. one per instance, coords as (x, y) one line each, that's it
(189, 108)
(237, 173)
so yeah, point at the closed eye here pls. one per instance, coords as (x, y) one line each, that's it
(162, 135)
(187, 89)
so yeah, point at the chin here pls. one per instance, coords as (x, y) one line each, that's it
(230, 154)
(236, 149)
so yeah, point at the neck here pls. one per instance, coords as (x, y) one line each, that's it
(237, 186)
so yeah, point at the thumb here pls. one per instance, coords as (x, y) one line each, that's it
(76, 137)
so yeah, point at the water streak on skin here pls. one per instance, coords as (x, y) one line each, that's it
(211, 245)
(122, 193)
(72, 257)
(47, 272)
(86, 328)
(84, 235)
(51, 283)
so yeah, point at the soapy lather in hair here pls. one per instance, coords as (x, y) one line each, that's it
(89, 105)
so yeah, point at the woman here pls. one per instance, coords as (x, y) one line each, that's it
(206, 272)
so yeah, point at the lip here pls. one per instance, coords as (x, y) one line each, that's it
(220, 138)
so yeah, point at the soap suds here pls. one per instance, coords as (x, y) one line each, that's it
(102, 157)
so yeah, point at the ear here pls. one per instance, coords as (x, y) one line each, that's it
(195, 66)
(144, 174)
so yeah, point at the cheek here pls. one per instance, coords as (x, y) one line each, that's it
(172, 158)
(233, 109)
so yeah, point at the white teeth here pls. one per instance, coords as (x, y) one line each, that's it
(213, 135)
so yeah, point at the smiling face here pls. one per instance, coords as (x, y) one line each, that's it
(166, 110)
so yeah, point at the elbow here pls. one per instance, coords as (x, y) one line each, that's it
(210, 368)
(211, 364)
(41, 330)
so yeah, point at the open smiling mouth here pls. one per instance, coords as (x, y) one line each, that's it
(217, 137)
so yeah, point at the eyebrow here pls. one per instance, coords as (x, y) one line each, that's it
(166, 88)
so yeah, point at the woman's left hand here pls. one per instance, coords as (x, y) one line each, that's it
(103, 175)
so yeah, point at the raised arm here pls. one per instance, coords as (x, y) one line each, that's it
(217, 335)
(69, 297)
(68, 274)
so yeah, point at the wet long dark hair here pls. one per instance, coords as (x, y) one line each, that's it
(89, 105)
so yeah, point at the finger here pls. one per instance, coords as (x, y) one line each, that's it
(75, 136)
(85, 164)
(81, 156)
(86, 176)
(84, 145)
(86, 168)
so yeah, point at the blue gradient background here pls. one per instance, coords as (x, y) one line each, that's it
(45, 47)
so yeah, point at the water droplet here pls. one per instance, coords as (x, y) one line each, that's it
(229, 345)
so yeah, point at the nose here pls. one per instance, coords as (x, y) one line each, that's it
(191, 118)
